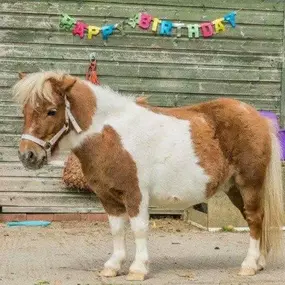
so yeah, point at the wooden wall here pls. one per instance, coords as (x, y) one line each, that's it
(243, 63)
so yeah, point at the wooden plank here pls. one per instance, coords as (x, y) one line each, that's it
(145, 41)
(122, 11)
(8, 154)
(146, 70)
(230, 4)
(48, 199)
(75, 209)
(9, 140)
(18, 170)
(13, 127)
(124, 55)
(257, 32)
(34, 184)
(192, 87)
(183, 85)
(53, 209)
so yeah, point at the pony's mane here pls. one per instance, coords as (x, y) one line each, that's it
(35, 86)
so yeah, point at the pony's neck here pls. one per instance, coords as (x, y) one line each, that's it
(110, 103)
(82, 104)
(93, 107)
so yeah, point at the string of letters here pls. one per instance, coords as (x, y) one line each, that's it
(147, 22)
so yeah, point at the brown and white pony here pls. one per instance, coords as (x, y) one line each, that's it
(134, 156)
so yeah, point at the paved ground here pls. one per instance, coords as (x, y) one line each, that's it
(73, 253)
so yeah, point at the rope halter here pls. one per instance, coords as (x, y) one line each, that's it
(48, 145)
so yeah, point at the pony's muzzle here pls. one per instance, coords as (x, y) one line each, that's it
(31, 159)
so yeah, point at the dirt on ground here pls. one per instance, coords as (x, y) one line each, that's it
(73, 253)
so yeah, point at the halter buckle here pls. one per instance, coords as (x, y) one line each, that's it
(47, 146)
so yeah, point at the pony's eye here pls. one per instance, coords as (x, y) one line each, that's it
(51, 112)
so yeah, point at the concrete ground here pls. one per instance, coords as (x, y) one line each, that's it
(72, 253)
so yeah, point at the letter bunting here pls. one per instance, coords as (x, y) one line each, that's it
(146, 22)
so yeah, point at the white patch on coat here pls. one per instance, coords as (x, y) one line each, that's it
(162, 147)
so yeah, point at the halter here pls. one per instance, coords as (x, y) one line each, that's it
(47, 145)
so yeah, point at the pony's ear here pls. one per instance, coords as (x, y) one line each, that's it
(67, 82)
(142, 100)
(22, 75)
(63, 84)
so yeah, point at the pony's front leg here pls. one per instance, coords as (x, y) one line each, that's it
(113, 265)
(139, 225)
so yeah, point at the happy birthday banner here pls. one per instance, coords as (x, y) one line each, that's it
(145, 21)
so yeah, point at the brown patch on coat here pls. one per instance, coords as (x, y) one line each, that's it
(110, 172)
(208, 149)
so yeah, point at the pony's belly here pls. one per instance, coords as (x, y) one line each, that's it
(172, 203)
(175, 200)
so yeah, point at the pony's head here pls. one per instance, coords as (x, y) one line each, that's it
(43, 97)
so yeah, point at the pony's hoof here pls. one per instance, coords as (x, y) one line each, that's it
(108, 272)
(247, 271)
(136, 276)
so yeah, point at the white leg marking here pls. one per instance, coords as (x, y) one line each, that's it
(113, 265)
(139, 225)
(249, 265)
(261, 263)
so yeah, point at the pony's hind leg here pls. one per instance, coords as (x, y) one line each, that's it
(254, 214)
(113, 265)
(236, 198)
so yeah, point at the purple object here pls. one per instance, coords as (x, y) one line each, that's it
(281, 133)
(282, 143)
(271, 116)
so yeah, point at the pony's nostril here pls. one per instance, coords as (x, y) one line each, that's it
(30, 155)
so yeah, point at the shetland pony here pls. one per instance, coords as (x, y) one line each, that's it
(135, 156)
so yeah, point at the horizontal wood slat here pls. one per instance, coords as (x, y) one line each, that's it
(34, 184)
(21, 51)
(230, 4)
(149, 70)
(17, 170)
(109, 12)
(145, 41)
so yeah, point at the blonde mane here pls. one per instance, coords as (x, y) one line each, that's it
(35, 86)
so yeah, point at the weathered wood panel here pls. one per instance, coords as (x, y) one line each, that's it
(151, 70)
(243, 63)
(145, 41)
(231, 4)
(33, 184)
(119, 11)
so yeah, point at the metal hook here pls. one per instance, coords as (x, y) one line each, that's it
(92, 56)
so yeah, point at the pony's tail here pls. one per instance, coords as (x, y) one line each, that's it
(273, 207)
